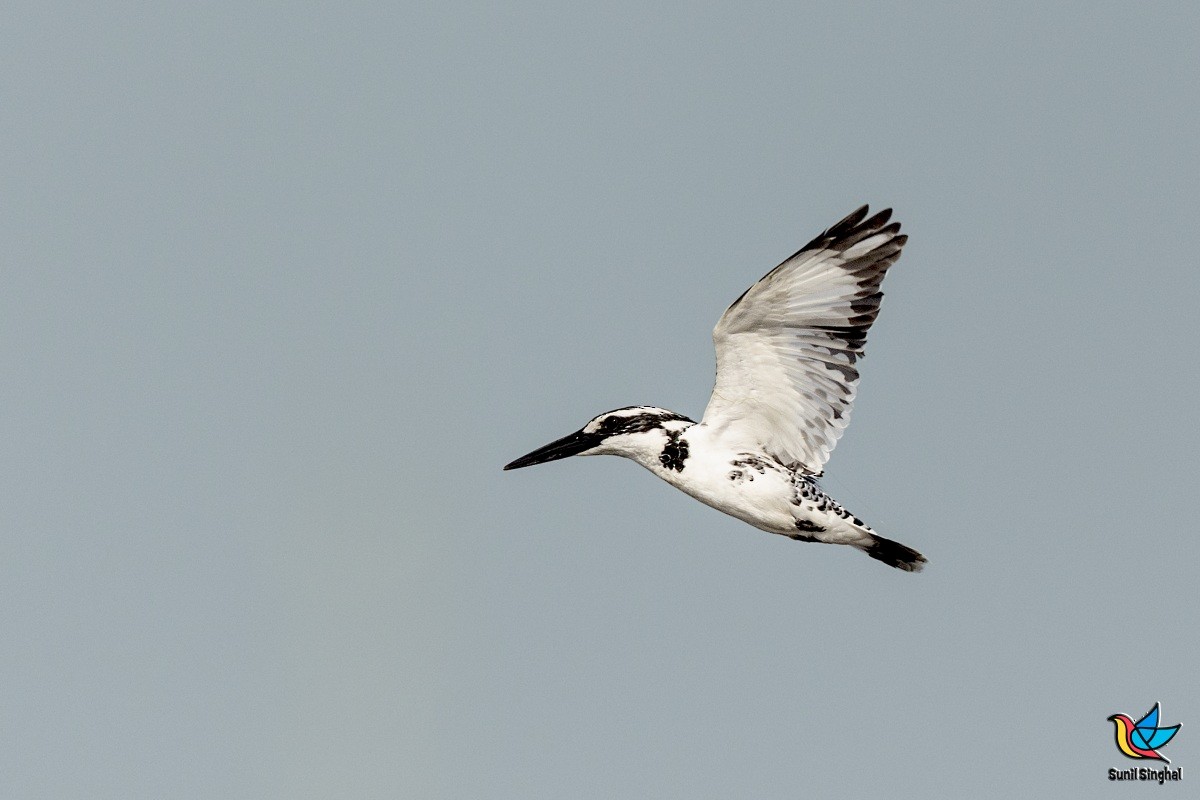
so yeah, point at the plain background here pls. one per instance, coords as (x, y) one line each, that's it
(285, 285)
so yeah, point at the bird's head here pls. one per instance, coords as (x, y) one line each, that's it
(1124, 727)
(636, 432)
(1124, 724)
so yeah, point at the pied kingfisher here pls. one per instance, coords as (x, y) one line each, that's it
(786, 378)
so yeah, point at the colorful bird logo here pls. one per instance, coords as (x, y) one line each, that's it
(1142, 739)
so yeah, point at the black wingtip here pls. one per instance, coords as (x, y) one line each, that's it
(851, 229)
(849, 222)
(879, 220)
(844, 234)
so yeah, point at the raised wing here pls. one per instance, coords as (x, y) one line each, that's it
(787, 348)
(1150, 720)
(1153, 738)
(1148, 735)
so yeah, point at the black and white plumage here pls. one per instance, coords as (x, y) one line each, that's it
(787, 353)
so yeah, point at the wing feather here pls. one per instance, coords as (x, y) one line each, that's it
(787, 349)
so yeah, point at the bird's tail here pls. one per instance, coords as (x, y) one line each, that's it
(893, 554)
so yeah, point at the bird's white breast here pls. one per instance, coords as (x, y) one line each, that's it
(740, 484)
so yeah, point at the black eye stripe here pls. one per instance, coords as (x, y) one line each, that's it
(637, 423)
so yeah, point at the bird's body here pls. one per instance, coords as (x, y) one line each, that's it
(1142, 739)
(786, 378)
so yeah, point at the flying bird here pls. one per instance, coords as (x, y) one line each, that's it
(787, 351)
(1142, 739)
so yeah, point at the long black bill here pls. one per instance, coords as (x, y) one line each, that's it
(571, 445)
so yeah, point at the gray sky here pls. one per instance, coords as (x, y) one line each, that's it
(285, 286)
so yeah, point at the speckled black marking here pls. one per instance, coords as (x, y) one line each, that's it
(749, 461)
(810, 527)
(736, 475)
(676, 451)
(807, 494)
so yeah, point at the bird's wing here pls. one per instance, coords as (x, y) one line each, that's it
(1160, 736)
(787, 348)
(1150, 720)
